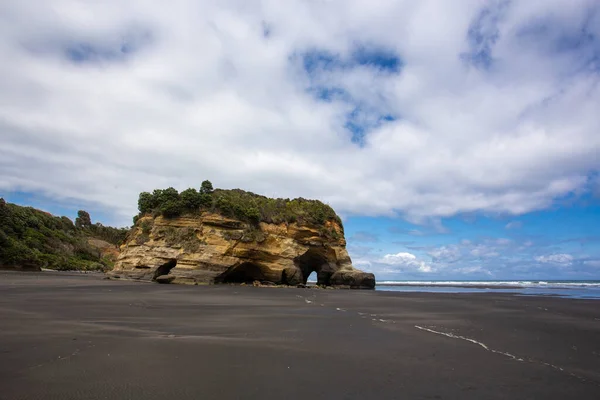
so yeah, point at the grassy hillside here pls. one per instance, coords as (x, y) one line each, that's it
(33, 239)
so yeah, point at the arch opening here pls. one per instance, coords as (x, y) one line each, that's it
(244, 273)
(164, 269)
(314, 262)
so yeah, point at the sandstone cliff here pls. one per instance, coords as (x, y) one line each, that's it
(208, 247)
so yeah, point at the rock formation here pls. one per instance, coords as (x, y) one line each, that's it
(208, 248)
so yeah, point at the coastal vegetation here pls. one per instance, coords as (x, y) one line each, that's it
(33, 239)
(236, 203)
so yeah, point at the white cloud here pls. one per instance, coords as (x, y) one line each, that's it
(449, 254)
(559, 259)
(592, 263)
(363, 264)
(203, 93)
(473, 270)
(405, 262)
(467, 250)
(483, 251)
(514, 225)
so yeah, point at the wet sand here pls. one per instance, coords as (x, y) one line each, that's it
(74, 336)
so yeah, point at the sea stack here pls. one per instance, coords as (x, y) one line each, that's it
(281, 243)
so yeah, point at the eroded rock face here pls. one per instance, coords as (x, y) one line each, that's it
(210, 249)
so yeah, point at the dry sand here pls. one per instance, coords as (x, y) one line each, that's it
(73, 336)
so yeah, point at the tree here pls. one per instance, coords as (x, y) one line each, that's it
(252, 214)
(164, 195)
(83, 219)
(4, 240)
(190, 198)
(67, 224)
(146, 202)
(171, 208)
(206, 187)
(206, 200)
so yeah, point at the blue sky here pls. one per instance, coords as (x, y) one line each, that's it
(458, 140)
(560, 243)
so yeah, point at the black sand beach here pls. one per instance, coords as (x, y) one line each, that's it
(69, 336)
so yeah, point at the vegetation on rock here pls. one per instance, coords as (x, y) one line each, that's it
(83, 219)
(32, 238)
(236, 203)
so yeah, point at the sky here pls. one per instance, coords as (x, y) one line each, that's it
(458, 140)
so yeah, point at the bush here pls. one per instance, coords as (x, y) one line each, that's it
(146, 227)
(109, 234)
(191, 199)
(206, 200)
(252, 214)
(4, 240)
(171, 208)
(67, 224)
(30, 237)
(236, 203)
(165, 195)
(146, 202)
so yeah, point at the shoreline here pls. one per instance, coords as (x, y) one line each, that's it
(81, 336)
(579, 289)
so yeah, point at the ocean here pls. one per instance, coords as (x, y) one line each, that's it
(561, 288)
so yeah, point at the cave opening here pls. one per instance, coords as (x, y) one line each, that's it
(314, 261)
(165, 268)
(244, 273)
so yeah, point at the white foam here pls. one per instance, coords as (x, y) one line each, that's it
(492, 284)
(450, 335)
(511, 356)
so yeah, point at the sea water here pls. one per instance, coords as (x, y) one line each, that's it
(563, 288)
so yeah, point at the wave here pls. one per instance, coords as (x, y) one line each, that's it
(497, 284)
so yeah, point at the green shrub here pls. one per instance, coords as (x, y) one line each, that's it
(171, 208)
(165, 195)
(235, 203)
(67, 224)
(142, 238)
(109, 234)
(146, 202)
(30, 237)
(206, 200)
(190, 199)
(253, 234)
(146, 226)
(181, 236)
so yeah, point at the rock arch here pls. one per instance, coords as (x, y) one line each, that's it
(315, 260)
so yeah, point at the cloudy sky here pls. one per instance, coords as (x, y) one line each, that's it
(458, 139)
